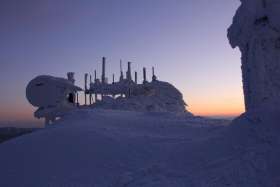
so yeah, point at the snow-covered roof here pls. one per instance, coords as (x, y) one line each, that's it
(154, 96)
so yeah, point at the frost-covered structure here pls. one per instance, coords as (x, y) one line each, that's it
(256, 31)
(54, 96)
(156, 96)
(127, 94)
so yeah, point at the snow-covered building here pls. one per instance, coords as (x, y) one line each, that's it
(256, 31)
(124, 87)
(127, 94)
(56, 96)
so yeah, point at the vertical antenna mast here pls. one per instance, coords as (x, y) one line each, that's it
(121, 71)
(144, 75)
(135, 77)
(154, 78)
(86, 76)
(90, 95)
(103, 77)
(77, 98)
(95, 77)
(128, 73)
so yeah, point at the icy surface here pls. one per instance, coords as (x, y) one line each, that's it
(120, 148)
(256, 31)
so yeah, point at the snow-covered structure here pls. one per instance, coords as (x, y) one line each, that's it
(155, 96)
(127, 94)
(256, 31)
(255, 134)
(53, 96)
(57, 96)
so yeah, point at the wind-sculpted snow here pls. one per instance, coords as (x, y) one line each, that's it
(110, 148)
(256, 31)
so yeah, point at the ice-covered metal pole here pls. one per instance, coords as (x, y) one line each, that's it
(154, 78)
(95, 77)
(70, 77)
(135, 77)
(90, 94)
(103, 76)
(128, 73)
(86, 77)
(77, 99)
(144, 75)
(121, 71)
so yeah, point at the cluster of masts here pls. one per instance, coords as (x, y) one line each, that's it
(124, 87)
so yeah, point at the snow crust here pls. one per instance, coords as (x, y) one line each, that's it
(123, 148)
(256, 31)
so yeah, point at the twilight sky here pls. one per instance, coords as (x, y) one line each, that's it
(184, 39)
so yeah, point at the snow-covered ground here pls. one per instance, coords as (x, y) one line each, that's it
(110, 148)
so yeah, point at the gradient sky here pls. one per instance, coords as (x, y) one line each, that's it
(184, 39)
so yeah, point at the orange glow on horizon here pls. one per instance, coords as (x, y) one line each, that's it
(222, 105)
(17, 114)
(210, 105)
(196, 108)
(218, 111)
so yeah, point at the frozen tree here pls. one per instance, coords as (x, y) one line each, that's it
(256, 31)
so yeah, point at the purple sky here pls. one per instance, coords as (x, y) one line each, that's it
(184, 39)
